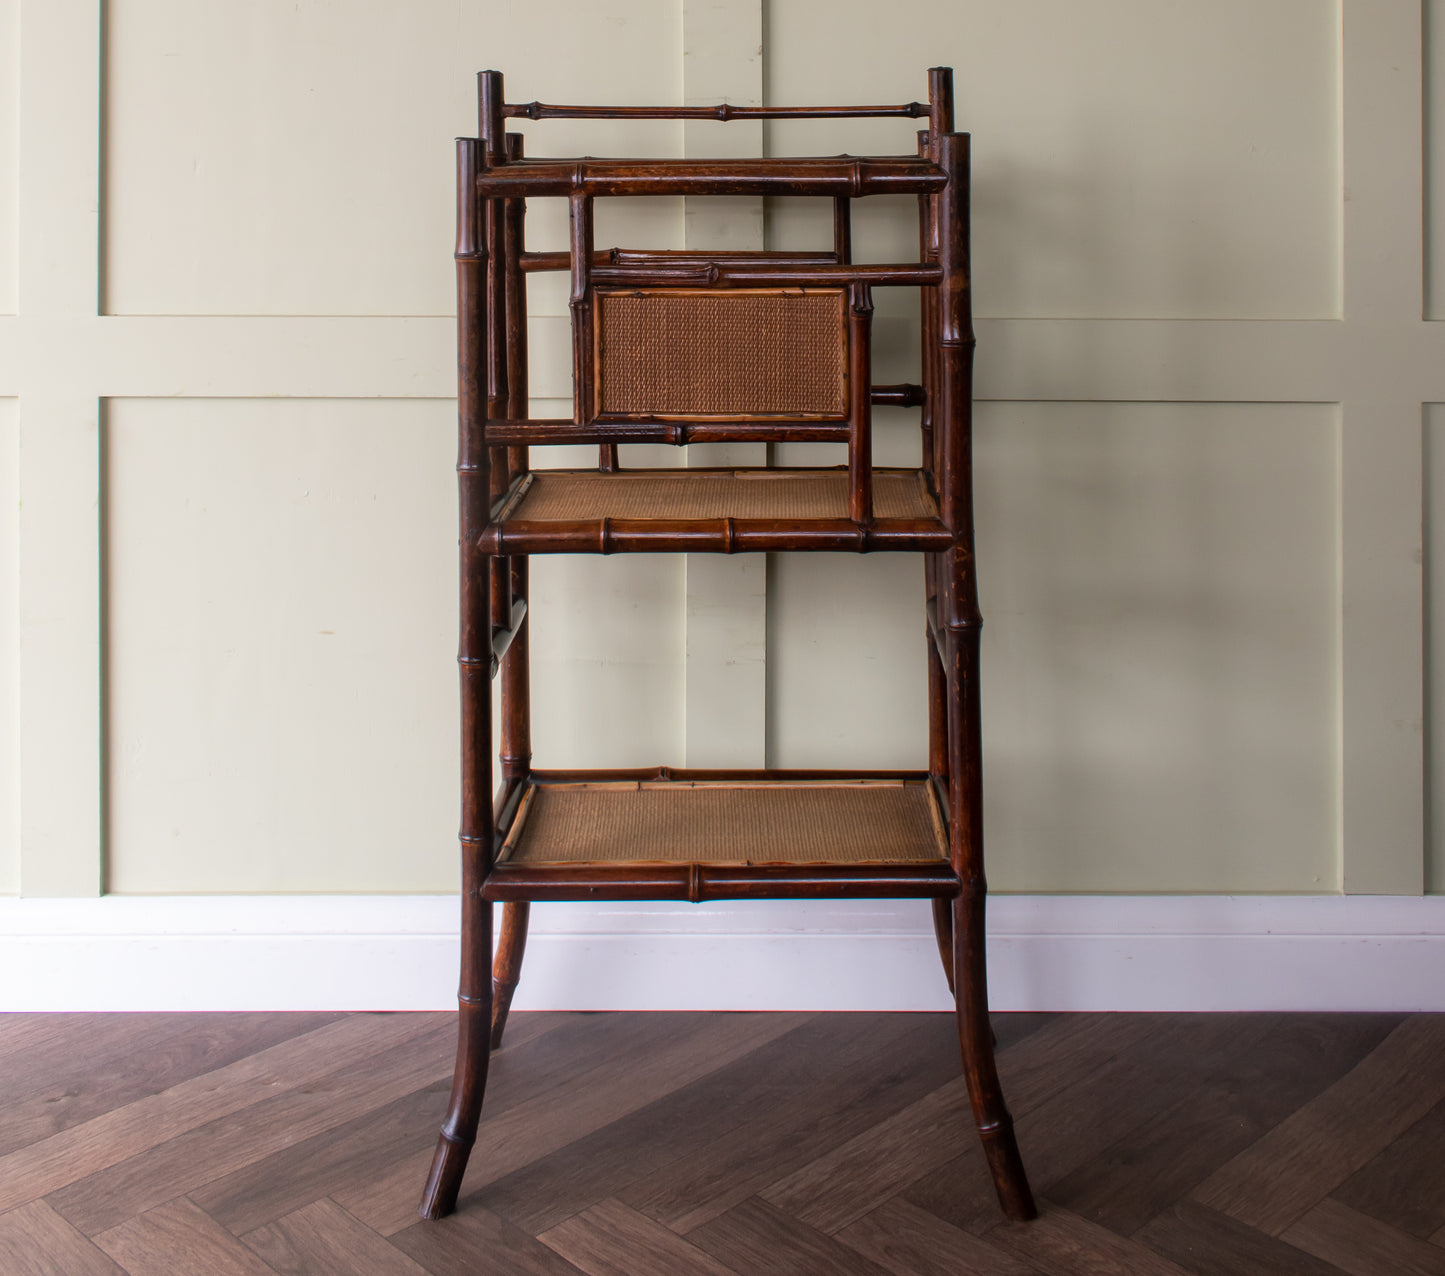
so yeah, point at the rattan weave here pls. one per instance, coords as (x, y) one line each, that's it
(684, 353)
(852, 823)
(565, 495)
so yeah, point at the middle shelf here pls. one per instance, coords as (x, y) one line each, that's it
(723, 510)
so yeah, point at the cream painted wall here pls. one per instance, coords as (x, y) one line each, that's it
(312, 140)
(1160, 648)
(9, 651)
(9, 136)
(282, 629)
(1201, 368)
(1159, 580)
(9, 466)
(1435, 627)
(1130, 159)
(1162, 638)
(1434, 91)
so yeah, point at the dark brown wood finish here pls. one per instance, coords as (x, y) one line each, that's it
(474, 658)
(515, 247)
(846, 175)
(843, 229)
(507, 966)
(724, 111)
(510, 511)
(860, 402)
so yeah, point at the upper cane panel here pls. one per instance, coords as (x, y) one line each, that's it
(692, 354)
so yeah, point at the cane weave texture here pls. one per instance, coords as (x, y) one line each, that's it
(567, 495)
(690, 354)
(860, 822)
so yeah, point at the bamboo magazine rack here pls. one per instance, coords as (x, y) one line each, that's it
(694, 347)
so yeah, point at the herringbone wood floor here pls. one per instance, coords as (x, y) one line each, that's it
(634, 1144)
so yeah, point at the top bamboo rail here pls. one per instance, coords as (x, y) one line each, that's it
(724, 111)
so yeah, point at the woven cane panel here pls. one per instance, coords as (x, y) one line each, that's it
(561, 495)
(872, 823)
(718, 354)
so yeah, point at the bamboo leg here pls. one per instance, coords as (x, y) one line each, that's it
(943, 933)
(507, 968)
(477, 372)
(990, 1113)
(469, 1081)
(970, 971)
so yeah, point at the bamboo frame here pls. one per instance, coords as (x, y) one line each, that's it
(724, 111)
(860, 403)
(474, 995)
(496, 430)
(694, 270)
(849, 176)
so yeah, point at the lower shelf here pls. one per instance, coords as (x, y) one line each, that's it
(723, 838)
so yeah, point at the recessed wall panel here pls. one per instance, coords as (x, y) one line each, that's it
(1130, 159)
(1434, 86)
(845, 661)
(1161, 646)
(1435, 647)
(9, 152)
(281, 158)
(9, 649)
(608, 640)
(281, 645)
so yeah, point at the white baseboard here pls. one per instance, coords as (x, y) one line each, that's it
(1054, 953)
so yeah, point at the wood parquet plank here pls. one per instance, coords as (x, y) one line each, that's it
(667, 1139)
(1269, 1066)
(1276, 1180)
(36, 1241)
(1076, 1122)
(51, 1087)
(1068, 1048)
(687, 1158)
(908, 1241)
(835, 1189)
(1060, 1242)
(103, 1200)
(324, 1238)
(24, 1035)
(1208, 1243)
(38, 1169)
(1362, 1246)
(602, 1094)
(754, 1237)
(871, 1076)
(330, 1160)
(611, 1239)
(1404, 1185)
(178, 1237)
(529, 1067)
(476, 1240)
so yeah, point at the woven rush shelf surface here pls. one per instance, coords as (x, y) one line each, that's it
(565, 495)
(669, 822)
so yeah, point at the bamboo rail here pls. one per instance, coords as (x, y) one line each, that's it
(853, 177)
